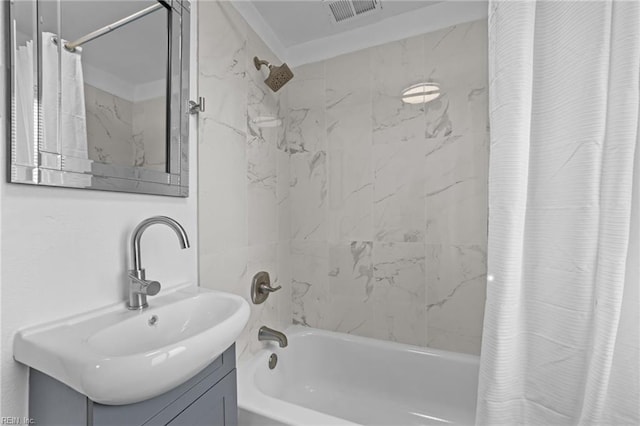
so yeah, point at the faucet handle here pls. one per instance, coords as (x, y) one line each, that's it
(261, 287)
(152, 288)
(143, 286)
(268, 288)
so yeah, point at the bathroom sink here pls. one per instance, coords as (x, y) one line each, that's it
(118, 356)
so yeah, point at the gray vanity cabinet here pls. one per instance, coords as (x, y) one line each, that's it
(209, 398)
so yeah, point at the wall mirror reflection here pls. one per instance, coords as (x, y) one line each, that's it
(99, 94)
(125, 80)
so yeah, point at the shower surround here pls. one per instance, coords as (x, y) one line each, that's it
(389, 200)
(243, 185)
(369, 212)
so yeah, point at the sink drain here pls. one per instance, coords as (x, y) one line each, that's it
(273, 361)
(153, 320)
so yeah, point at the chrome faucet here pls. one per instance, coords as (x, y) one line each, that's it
(265, 333)
(139, 286)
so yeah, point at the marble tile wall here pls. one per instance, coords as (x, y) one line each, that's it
(123, 132)
(109, 126)
(243, 182)
(149, 134)
(388, 201)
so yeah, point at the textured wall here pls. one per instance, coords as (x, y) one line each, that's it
(388, 200)
(64, 251)
(244, 175)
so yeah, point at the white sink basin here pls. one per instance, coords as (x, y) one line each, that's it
(117, 356)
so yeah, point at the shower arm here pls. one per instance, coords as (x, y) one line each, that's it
(259, 63)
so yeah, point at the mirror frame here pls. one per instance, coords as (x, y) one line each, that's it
(56, 169)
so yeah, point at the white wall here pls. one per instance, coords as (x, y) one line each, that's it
(64, 251)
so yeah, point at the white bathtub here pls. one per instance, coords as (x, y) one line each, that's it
(326, 378)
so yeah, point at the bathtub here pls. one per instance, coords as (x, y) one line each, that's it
(327, 378)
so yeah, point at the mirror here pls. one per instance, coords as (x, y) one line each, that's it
(100, 94)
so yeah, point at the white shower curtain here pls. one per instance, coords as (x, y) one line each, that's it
(25, 149)
(561, 342)
(63, 105)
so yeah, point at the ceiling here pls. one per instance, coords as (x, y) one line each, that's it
(302, 31)
(296, 22)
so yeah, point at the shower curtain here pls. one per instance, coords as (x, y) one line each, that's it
(63, 104)
(561, 342)
(25, 150)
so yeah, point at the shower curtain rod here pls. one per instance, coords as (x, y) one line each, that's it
(107, 29)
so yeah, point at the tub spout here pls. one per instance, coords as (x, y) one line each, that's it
(266, 333)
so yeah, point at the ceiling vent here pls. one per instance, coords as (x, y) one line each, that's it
(344, 10)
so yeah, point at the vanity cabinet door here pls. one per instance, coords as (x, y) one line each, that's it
(216, 407)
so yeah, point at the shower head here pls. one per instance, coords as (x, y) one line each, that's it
(278, 76)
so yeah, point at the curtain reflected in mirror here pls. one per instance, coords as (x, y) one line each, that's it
(24, 142)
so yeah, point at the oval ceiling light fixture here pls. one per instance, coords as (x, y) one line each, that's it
(421, 93)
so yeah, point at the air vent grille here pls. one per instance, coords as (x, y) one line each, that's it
(362, 6)
(343, 10)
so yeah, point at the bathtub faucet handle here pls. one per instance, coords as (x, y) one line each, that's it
(265, 287)
(261, 287)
